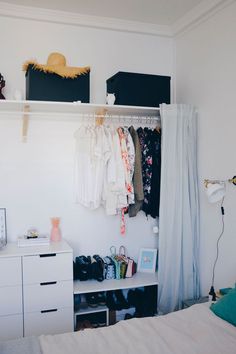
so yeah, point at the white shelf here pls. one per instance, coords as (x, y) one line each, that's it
(66, 110)
(85, 309)
(138, 280)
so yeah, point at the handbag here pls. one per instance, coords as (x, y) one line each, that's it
(122, 257)
(109, 268)
(131, 266)
(116, 261)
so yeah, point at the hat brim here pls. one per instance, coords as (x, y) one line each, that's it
(63, 71)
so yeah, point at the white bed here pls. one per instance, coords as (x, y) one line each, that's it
(195, 330)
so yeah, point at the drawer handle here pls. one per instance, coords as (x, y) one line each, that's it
(48, 283)
(52, 310)
(48, 255)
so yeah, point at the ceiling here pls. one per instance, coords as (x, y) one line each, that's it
(161, 12)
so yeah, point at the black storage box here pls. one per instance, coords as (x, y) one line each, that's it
(52, 87)
(139, 89)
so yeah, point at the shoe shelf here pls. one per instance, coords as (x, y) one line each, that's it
(92, 286)
(137, 281)
(84, 309)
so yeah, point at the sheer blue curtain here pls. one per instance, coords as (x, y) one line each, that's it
(178, 264)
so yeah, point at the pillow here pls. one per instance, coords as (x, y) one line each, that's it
(225, 308)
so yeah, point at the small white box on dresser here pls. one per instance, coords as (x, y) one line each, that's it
(44, 275)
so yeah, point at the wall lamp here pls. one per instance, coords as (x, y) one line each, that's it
(215, 191)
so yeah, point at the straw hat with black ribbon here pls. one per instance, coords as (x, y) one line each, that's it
(56, 64)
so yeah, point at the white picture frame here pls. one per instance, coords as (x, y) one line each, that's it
(147, 260)
(3, 228)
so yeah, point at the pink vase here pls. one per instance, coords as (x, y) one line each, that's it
(55, 232)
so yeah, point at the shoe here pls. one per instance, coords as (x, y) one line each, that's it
(94, 324)
(101, 299)
(121, 301)
(87, 324)
(139, 302)
(128, 316)
(131, 298)
(110, 301)
(101, 323)
(92, 300)
(136, 299)
(79, 326)
(82, 268)
(97, 267)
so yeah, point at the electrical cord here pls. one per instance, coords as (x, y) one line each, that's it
(212, 290)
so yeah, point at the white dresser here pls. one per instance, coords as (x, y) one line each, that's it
(36, 290)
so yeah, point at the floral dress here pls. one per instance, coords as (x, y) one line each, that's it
(145, 138)
(131, 158)
(127, 169)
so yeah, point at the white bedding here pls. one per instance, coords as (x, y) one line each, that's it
(195, 330)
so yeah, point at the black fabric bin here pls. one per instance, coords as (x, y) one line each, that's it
(139, 89)
(52, 87)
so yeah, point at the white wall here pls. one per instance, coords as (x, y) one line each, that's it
(206, 77)
(36, 178)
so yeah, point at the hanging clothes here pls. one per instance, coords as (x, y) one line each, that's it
(145, 139)
(137, 177)
(118, 169)
(102, 154)
(131, 158)
(114, 188)
(92, 155)
(125, 159)
(154, 203)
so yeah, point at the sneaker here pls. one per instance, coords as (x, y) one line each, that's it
(92, 299)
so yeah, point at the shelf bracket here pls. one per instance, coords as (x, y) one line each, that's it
(25, 124)
(100, 116)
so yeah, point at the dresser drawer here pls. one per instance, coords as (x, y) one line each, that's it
(10, 300)
(47, 268)
(59, 321)
(48, 295)
(11, 327)
(10, 271)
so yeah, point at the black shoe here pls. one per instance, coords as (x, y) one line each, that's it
(139, 302)
(101, 299)
(97, 267)
(131, 298)
(82, 268)
(121, 302)
(128, 316)
(110, 301)
(92, 299)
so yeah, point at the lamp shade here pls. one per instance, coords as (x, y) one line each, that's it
(215, 192)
